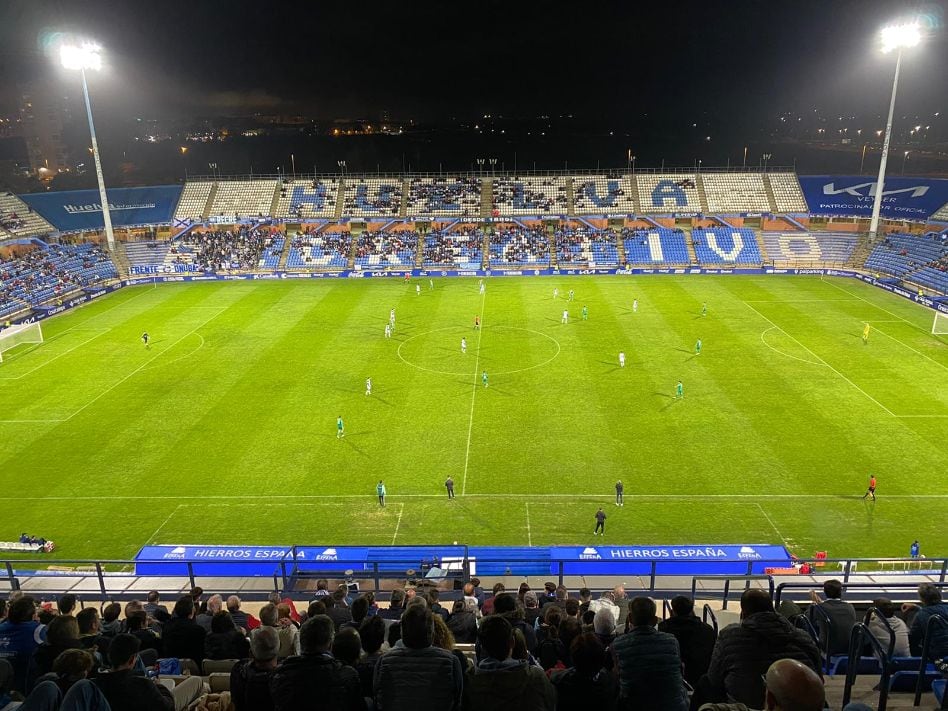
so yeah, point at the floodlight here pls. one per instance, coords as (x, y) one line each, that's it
(900, 36)
(85, 56)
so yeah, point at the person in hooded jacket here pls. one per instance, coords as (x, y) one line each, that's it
(250, 679)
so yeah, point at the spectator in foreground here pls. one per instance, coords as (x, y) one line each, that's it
(250, 679)
(842, 618)
(695, 638)
(648, 662)
(501, 683)
(396, 606)
(463, 621)
(792, 685)
(136, 625)
(67, 604)
(61, 634)
(339, 613)
(111, 625)
(225, 641)
(315, 674)
(20, 635)
(289, 631)
(932, 604)
(127, 691)
(878, 629)
(347, 647)
(182, 637)
(586, 684)
(744, 651)
(241, 619)
(416, 674)
(154, 608)
(67, 687)
(372, 636)
(215, 603)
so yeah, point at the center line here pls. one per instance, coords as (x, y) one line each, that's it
(470, 424)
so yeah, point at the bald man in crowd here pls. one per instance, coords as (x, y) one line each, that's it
(790, 686)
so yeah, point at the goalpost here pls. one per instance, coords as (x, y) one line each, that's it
(17, 335)
(940, 324)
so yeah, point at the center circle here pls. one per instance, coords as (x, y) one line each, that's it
(500, 350)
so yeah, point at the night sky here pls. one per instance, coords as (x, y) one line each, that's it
(434, 60)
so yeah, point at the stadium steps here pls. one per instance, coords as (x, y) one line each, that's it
(120, 259)
(861, 253)
(420, 252)
(702, 196)
(620, 250)
(570, 195)
(485, 250)
(285, 254)
(761, 246)
(403, 206)
(206, 212)
(274, 203)
(769, 189)
(340, 199)
(487, 197)
(354, 248)
(634, 192)
(864, 691)
(689, 243)
(554, 262)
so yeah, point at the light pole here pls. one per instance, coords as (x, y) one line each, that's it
(766, 157)
(897, 37)
(905, 160)
(82, 57)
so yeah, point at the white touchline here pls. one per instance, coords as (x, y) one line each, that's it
(470, 424)
(398, 523)
(529, 532)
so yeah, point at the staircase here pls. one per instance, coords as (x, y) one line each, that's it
(120, 259)
(403, 205)
(620, 248)
(762, 247)
(634, 192)
(354, 247)
(689, 244)
(554, 263)
(487, 197)
(209, 205)
(771, 198)
(287, 246)
(702, 197)
(340, 199)
(276, 199)
(420, 252)
(570, 193)
(485, 251)
(861, 253)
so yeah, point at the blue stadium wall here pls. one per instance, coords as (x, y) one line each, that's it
(81, 210)
(853, 195)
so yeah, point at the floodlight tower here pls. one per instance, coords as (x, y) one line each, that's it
(82, 57)
(896, 37)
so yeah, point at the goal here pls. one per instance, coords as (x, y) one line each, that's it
(940, 324)
(16, 335)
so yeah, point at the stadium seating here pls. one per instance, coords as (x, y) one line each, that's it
(273, 248)
(193, 200)
(735, 192)
(307, 199)
(726, 245)
(459, 250)
(19, 220)
(914, 258)
(51, 272)
(314, 250)
(243, 198)
(668, 192)
(597, 194)
(788, 196)
(655, 246)
(147, 254)
(381, 250)
(810, 247)
(583, 246)
(530, 196)
(519, 248)
(444, 196)
(372, 197)
(215, 250)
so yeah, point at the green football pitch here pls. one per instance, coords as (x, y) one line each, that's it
(223, 431)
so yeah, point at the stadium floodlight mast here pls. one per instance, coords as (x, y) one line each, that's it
(894, 38)
(88, 55)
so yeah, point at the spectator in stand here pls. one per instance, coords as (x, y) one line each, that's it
(136, 625)
(585, 598)
(506, 605)
(275, 598)
(463, 622)
(834, 637)
(695, 638)
(315, 674)
(604, 625)
(549, 594)
(570, 629)
(181, 635)
(470, 593)
(89, 636)
(20, 635)
(416, 674)
(879, 630)
(586, 684)
(250, 679)
(126, 691)
(215, 603)
(793, 686)
(67, 604)
(154, 608)
(443, 639)
(372, 636)
(550, 651)
(347, 647)
(432, 597)
(648, 663)
(288, 630)
(322, 589)
(241, 619)
(932, 604)
(225, 641)
(359, 611)
(67, 686)
(111, 624)
(62, 633)
(531, 608)
(395, 606)
(500, 682)
(488, 607)
(339, 613)
(744, 651)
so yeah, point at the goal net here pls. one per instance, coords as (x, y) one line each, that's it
(940, 324)
(17, 335)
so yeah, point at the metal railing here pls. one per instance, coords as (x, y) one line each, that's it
(858, 638)
(746, 579)
(933, 622)
(879, 587)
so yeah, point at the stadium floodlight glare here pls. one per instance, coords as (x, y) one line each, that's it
(88, 55)
(894, 38)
